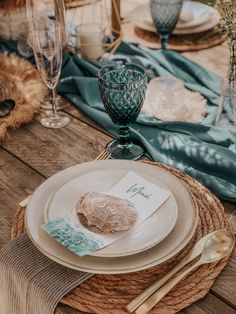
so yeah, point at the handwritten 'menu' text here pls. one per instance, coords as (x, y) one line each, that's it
(138, 190)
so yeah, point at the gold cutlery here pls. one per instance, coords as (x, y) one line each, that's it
(25, 202)
(194, 252)
(102, 156)
(218, 245)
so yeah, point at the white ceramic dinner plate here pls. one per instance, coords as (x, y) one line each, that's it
(181, 234)
(204, 18)
(148, 234)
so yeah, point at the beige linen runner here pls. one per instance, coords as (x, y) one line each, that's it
(31, 283)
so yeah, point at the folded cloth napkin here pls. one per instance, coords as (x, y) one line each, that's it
(203, 151)
(30, 282)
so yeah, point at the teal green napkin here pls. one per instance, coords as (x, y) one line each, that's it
(203, 151)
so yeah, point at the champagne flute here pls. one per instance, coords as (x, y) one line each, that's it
(48, 56)
(47, 37)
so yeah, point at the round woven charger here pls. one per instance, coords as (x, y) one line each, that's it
(182, 43)
(105, 294)
(70, 4)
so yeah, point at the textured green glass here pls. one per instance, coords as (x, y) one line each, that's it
(165, 14)
(122, 88)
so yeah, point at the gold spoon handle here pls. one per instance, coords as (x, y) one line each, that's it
(143, 296)
(159, 294)
(25, 202)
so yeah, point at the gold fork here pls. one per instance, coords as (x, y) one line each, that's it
(102, 156)
(25, 202)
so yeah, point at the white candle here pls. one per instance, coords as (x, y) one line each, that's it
(90, 41)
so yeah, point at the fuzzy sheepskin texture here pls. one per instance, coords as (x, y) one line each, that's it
(12, 4)
(20, 81)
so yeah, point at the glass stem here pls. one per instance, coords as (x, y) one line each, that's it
(53, 100)
(164, 41)
(124, 133)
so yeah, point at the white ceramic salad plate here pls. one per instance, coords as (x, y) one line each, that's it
(149, 233)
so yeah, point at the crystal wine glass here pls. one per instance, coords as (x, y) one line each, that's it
(122, 88)
(47, 37)
(165, 14)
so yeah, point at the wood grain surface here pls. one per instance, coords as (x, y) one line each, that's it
(33, 153)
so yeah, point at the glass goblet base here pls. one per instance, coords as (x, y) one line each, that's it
(55, 122)
(128, 151)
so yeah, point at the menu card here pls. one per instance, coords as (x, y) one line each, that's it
(70, 232)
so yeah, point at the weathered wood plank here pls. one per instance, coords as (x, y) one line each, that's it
(225, 285)
(229, 207)
(76, 113)
(209, 305)
(49, 151)
(16, 182)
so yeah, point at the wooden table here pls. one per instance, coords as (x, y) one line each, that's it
(32, 153)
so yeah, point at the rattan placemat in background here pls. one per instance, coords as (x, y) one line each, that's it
(20, 81)
(103, 294)
(77, 3)
(181, 43)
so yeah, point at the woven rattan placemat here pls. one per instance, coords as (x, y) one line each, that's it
(105, 294)
(182, 43)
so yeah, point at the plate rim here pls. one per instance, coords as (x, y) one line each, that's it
(130, 268)
(125, 253)
(206, 15)
(214, 18)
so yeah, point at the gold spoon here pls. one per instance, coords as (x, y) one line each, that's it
(145, 294)
(218, 245)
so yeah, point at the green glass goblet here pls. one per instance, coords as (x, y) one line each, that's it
(165, 14)
(122, 88)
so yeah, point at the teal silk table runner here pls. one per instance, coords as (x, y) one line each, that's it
(203, 151)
